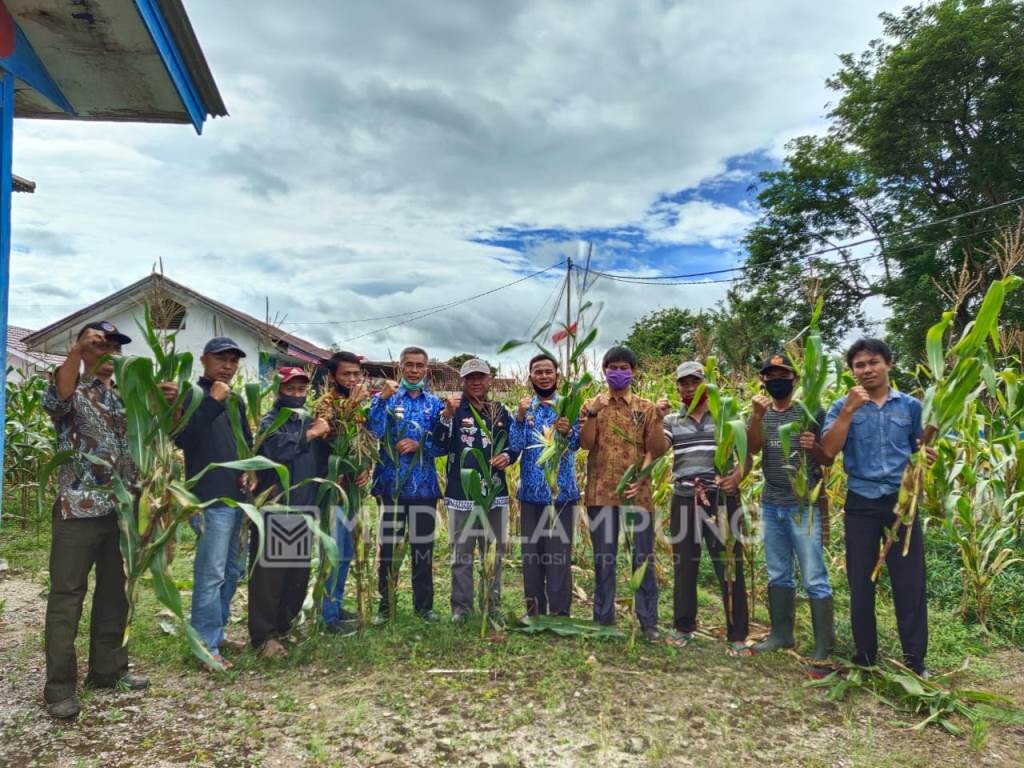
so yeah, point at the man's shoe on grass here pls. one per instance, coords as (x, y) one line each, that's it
(132, 682)
(651, 634)
(459, 618)
(430, 615)
(64, 710)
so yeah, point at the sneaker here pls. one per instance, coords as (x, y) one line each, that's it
(430, 616)
(459, 618)
(64, 710)
(132, 682)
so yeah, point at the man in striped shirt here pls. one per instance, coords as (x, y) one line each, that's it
(696, 495)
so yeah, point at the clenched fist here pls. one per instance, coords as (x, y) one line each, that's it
(595, 404)
(761, 404)
(219, 391)
(389, 388)
(451, 405)
(318, 429)
(857, 397)
(524, 406)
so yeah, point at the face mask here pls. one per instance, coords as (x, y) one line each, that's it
(779, 389)
(618, 380)
(413, 387)
(342, 389)
(688, 399)
(285, 401)
(544, 393)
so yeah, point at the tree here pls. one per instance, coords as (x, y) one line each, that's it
(672, 332)
(929, 125)
(457, 361)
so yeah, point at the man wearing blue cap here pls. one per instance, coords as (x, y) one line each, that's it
(208, 438)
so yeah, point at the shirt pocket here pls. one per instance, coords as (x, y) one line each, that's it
(898, 431)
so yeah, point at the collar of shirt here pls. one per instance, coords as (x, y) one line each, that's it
(626, 397)
(537, 402)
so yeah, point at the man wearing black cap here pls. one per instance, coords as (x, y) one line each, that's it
(791, 526)
(89, 418)
(206, 439)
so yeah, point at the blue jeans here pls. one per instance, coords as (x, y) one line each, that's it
(334, 588)
(789, 531)
(220, 563)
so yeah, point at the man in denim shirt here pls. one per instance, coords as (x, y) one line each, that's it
(877, 429)
(402, 417)
(546, 543)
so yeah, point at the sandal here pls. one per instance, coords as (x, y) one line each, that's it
(272, 649)
(224, 663)
(738, 648)
(679, 639)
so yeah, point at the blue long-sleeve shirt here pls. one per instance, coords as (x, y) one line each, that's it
(404, 416)
(879, 443)
(533, 485)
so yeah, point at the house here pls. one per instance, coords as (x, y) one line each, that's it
(443, 378)
(23, 363)
(193, 317)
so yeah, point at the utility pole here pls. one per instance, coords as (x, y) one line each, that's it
(568, 315)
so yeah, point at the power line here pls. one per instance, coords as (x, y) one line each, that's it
(559, 287)
(457, 303)
(806, 268)
(830, 249)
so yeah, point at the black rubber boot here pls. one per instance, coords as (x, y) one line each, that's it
(824, 628)
(782, 609)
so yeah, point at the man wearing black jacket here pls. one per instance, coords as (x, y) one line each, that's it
(208, 438)
(277, 590)
(458, 431)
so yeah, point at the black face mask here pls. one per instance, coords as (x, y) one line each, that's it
(284, 401)
(779, 389)
(544, 393)
(342, 389)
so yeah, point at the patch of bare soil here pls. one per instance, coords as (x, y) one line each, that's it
(699, 708)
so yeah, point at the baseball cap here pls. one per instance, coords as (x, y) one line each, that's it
(689, 368)
(109, 331)
(779, 360)
(292, 372)
(222, 344)
(474, 365)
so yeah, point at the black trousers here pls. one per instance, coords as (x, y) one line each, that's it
(419, 517)
(865, 525)
(76, 546)
(687, 529)
(605, 524)
(276, 595)
(547, 557)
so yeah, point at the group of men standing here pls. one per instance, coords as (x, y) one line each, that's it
(876, 427)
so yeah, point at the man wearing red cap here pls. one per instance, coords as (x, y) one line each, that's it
(277, 588)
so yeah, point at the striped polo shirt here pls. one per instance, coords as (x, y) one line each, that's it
(693, 450)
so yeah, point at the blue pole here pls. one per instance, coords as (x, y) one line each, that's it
(6, 134)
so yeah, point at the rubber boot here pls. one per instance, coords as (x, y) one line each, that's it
(824, 628)
(782, 609)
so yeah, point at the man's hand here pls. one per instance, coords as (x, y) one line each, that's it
(664, 406)
(219, 391)
(808, 440)
(761, 404)
(595, 404)
(855, 398)
(407, 445)
(524, 406)
(247, 482)
(363, 478)
(92, 340)
(359, 393)
(500, 461)
(562, 426)
(389, 388)
(451, 405)
(169, 390)
(634, 489)
(729, 484)
(319, 428)
(930, 454)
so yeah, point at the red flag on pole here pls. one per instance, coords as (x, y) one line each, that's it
(563, 334)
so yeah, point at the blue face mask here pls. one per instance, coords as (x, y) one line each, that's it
(413, 387)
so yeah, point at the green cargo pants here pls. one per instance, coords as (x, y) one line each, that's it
(76, 546)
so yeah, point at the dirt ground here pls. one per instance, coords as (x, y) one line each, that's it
(526, 702)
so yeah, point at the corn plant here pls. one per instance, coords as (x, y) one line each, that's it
(730, 446)
(814, 376)
(960, 374)
(28, 441)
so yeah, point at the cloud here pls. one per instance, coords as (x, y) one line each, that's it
(382, 158)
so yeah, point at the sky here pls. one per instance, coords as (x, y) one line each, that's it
(382, 158)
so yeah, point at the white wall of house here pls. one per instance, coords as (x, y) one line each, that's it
(200, 325)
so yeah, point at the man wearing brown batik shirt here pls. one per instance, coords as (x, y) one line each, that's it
(89, 418)
(621, 430)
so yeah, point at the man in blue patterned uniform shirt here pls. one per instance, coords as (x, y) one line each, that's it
(402, 416)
